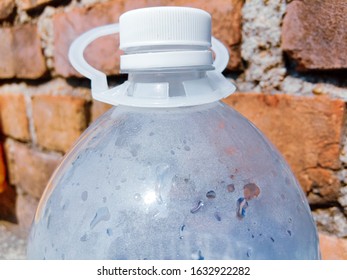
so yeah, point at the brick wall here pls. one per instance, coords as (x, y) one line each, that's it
(289, 68)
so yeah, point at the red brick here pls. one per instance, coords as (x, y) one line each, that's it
(7, 66)
(59, 120)
(6, 8)
(314, 34)
(333, 248)
(103, 54)
(26, 206)
(29, 59)
(13, 116)
(308, 132)
(29, 169)
(31, 4)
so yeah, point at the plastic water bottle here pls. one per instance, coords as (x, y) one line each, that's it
(171, 172)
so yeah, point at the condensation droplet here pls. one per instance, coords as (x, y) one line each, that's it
(197, 207)
(172, 152)
(102, 214)
(109, 231)
(84, 237)
(272, 239)
(242, 204)
(217, 216)
(182, 227)
(230, 188)
(290, 220)
(251, 191)
(84, 195)
(248, 253)
(289, 232)
(137, 197)
(211, 194)
(187, 148)
(161, 173)
(197, 256)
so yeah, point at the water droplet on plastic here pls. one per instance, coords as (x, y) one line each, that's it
(252, 235)
(251, 191)
(172, 152)
(197, 256)
(182, 227)
(84, 237)
(102, 214)
(84, 195)
(289, 232)
(248, 253)
(161, 172)
(242, 204)
(137, 196)
(217, 216)
(109, 231)
(230, 188)
(187, 148)
(290, 220)
(272, 239)
(197, 207)
(211, 194)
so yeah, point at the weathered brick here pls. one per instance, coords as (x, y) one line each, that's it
(29, 169)
(26, 206)
(29, 59)
(20, 53)
(103, 54)
(13, 116)
(99, 108)
(307, 131)
(31, 4)
(314, 34)
(59, 120)
(7, 66)
(333, 248)
(6, 8)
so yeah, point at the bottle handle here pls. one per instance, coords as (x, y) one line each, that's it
(99, 79)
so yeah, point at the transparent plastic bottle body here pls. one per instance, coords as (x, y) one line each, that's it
(195, 182)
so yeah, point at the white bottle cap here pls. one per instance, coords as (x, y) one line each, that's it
(165, 37)
(163, 26)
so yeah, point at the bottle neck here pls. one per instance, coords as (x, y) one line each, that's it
(162, 85)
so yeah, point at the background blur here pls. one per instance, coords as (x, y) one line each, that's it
(288, 59)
